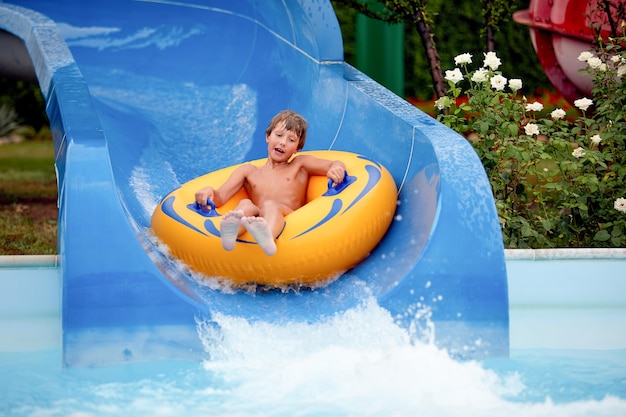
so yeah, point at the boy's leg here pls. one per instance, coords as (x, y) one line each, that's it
(258, 227)
(274, 214)
(229, 228)
(267, 226)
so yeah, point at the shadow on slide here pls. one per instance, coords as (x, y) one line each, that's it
(146, 95)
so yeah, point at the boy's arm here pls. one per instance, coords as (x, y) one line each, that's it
(204, 194)
(220, 196)
(334, 170)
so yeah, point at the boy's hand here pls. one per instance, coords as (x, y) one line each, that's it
(204, 194)
(336, 172)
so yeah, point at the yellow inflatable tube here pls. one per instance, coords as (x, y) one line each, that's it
(333, 232)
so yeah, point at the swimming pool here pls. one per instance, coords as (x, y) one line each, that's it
(568, 356)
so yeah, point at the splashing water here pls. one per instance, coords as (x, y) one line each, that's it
(356, 363)
(359, 363)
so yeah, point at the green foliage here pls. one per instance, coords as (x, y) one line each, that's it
(496, 12)
(347, 21)
(556, 182)
(391, 11)
(456, 26)
(8, 120)
(26, 99)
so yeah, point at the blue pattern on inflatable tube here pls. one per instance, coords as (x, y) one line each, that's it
(374, 175)
(332, 213)
(168, 208)
(370, 160)
(210, 227)
(372, 179)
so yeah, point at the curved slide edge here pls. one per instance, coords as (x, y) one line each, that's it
(441, 261)
(100, 257)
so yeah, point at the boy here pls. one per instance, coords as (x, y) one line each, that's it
(275, 189)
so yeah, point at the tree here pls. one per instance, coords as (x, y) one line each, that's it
(414, 14)
(603, 13)
(495, 13)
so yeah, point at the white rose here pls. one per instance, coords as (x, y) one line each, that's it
(491, 61)
(558, 114)
(584, 56)
(455, 75)
(596, 139)
(583, 103)
(620, 205)
(498, 82)
(480, 76)
(578, 153)
(536, 106)
(442, 102)
(594, 62)
(531, 129)
(465, 58)
(515, 84)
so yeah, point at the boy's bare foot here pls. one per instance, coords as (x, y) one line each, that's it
(258, 227)
(229, 228)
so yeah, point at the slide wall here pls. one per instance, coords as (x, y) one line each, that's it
(143, 96)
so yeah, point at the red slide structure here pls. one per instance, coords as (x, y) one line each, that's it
(560, 30)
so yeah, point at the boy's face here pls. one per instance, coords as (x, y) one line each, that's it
(282, 144)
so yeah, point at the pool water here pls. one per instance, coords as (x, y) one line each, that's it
(358, 363)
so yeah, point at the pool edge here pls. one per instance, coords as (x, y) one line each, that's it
(565, 254)
(29, 261)
(52, 261)
(557, 298)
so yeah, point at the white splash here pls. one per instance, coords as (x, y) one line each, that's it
(358, 363)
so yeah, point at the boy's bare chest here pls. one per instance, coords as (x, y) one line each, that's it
(285, 176)
(276, 180)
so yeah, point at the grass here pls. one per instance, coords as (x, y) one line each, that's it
(28, 194)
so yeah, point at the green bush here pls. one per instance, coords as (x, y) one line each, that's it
(8, 121)
(455, 25)
(26, 99)
(557, 182)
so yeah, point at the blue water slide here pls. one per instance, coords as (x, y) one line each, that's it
(144, 95)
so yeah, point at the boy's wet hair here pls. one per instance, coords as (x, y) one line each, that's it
(293, 122)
